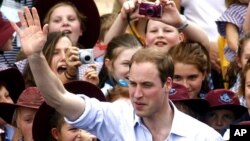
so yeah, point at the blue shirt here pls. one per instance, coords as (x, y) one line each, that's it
(118, 122)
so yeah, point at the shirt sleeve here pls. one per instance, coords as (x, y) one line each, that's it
(234, 14)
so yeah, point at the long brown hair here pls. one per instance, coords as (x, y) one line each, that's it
(48, 51)
(194, 54)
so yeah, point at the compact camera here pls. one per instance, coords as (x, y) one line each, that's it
(86, 56)
(150, 9)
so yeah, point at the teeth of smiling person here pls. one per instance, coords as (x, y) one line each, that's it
(67, 31)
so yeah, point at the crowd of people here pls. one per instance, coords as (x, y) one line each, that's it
(149, 71)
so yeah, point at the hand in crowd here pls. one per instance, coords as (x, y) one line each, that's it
(130, 8)
(86, 136)
(31, 35)
(72, 60)
(170, 13)
(91, 75)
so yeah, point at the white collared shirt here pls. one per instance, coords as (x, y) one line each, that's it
(118, 122)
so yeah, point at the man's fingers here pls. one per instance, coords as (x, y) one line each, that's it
(22, 19)
(36, 17)
(28, 16)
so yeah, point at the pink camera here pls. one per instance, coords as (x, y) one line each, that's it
(150, 9)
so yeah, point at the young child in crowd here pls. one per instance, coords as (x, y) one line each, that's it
(167, 31)
(191, 68)
(26, 107)
(224, 109)
(116, 60)
(11, 86)
(236, 67)
(49, 125)
(244, 94)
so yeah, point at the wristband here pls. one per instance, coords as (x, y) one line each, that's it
(184, 23)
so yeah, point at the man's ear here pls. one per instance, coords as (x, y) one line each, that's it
(55, 133)
(168, 84)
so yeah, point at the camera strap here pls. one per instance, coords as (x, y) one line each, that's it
(133, 31)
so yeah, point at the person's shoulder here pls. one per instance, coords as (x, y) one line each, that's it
(200, 130)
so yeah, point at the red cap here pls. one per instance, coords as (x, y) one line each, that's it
(31, 97)
(225, 99)
(179, 93)
(6, 30)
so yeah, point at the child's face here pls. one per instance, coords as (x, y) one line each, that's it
(120, 67)
(24, 122)
(219, 119)
(69, 133)
(65, 19)
(159, 34)
(4, 95)
(245, 54)
(58, 62)
(189, 76)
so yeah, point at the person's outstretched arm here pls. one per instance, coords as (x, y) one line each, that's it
(33, 39)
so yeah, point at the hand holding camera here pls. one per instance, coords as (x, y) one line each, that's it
(161, 10)
(86, 56)
(91, 74)
(150, 9)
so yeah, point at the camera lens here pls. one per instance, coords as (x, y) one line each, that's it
(150, 12)
(87, 58)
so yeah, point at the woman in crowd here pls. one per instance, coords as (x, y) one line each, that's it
(191, 68)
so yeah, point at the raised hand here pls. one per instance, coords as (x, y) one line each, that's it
(130, 8)
(170, 14)
(31, 35)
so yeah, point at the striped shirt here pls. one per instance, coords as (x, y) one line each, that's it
(10, 8)
(235, 14)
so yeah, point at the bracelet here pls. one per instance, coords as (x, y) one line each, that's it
(184, 23)
(69, 76)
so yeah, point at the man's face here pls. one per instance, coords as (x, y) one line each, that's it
(147, 93)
